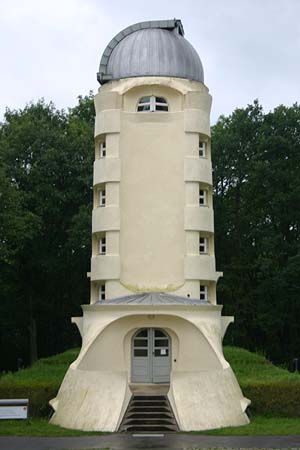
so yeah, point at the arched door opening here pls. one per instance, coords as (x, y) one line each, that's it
(151, 356)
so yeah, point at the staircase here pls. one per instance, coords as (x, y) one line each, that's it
(149, 414)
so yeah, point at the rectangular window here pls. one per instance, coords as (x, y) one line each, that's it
(202, 149)
(203, 293)
(102, 197)
(203, 245)
(202, 197)
(102, 149)
(102, 246)
(102, 292)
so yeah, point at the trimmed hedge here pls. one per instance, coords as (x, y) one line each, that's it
(38, 394)
(39, 383)
(280, 399)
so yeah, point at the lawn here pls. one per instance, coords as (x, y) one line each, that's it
(253, 368)
(259, 426)
(37, 427)
(49, 370)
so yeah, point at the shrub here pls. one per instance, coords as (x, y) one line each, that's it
(274, 399)
(38, 394)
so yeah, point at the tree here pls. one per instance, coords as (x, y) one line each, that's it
(46, 192)
(256, 176)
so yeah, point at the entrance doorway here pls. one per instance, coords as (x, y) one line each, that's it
(151, 359)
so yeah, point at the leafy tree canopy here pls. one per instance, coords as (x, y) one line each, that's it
(46, 161)
(256, 160)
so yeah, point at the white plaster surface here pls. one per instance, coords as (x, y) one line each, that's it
(107, 169)
(207, 400)
(203, 390)
(199, 219)
(152, 161)
(91, 400)
(106, 219)
(196, 169)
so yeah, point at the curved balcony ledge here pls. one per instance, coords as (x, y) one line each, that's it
(105, 267)
(106, 219)
(196, 121)
(107, 122)
(107, 169)
(198, 169)
(199, 218)
(200, 267)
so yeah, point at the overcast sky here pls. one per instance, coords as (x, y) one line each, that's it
(52, 48)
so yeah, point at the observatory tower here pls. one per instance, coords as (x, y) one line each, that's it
(153, 327)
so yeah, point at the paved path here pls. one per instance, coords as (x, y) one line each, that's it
(164, 442)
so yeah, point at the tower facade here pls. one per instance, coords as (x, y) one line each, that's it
(153, 211)
(153, 317)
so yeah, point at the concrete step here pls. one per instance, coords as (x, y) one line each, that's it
(148, 414)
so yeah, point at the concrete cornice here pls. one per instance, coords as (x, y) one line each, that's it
(151, 308)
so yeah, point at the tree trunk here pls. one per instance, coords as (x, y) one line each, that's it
(32, 341)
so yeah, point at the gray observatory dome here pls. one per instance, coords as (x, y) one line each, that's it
(156, 48)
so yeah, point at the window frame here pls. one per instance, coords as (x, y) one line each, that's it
(204, 245)
(102, 292)
(152, 103)
(203, 198)
(102, 197)
(202, 148)
(204, 292)
(102, 245)
(102, 149)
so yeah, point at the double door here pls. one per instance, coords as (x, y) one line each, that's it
(151, 359)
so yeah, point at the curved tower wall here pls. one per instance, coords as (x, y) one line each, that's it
(151, 174)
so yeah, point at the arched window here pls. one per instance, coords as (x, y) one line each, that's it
(152, 104)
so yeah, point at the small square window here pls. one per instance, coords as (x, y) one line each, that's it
(102, 292)
(203, 293)
(102, 197)
(202, 197)
(102, 246)
(102, 149)
(202, 149)
(203, 245)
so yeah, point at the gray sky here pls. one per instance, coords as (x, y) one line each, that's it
(52, 48)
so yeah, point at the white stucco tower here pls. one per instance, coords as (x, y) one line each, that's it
(153, 324)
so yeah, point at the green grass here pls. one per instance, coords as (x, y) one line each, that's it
(38, 427)
(259, 426)
(49, 370)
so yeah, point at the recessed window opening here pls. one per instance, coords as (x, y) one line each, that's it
(202, 149)
(204, 293)
(102, 197)
(102, 149)
(203, 245)
(102, 292)
(202, 197)
(152, 103)
(102, 245)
